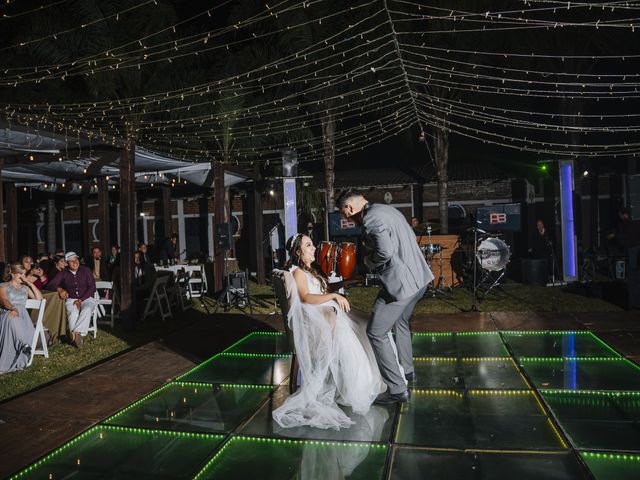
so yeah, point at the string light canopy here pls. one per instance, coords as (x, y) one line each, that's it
(241, 84)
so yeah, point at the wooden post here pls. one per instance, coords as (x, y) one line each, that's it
(84, 220)
(166, 212)
(103, 216)
(218, 193)
(254, 228)
(127, 233)
(417, 194)
(12, 222)
(3, 256)
(51, 224)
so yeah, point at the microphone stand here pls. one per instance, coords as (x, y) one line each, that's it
(474, 302)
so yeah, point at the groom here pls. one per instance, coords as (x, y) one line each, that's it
(394, 255)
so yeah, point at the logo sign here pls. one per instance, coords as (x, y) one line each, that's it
(345, 223)
(497, 218)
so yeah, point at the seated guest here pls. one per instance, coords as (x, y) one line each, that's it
(16, 327)
(115, 255)
(98, 265)
(58, 264)
(144, 252)
(26, 261)
(143, 276)
(33, 272)
(44, 261)
(169, 253)
(76, 286)
(37, 276)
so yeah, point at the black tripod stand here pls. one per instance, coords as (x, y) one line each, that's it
(236, 293)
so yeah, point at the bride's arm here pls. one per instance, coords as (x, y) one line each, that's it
(316, 298)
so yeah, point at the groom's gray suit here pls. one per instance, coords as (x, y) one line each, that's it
(404, 274)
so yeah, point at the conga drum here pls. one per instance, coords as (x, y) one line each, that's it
(346, 260)
(326, 256)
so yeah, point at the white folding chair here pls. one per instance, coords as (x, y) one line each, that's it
(158, 300)
(197, 285)
(39, 305)
(179, 292)
(102, 303)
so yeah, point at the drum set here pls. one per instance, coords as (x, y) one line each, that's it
(431, 251)
(338, 258)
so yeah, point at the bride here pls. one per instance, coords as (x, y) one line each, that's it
(336, 360)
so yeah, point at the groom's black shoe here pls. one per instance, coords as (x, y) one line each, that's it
(387, 398)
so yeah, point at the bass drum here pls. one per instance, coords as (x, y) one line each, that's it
(493, 254)
(346, 260)
(326, 257)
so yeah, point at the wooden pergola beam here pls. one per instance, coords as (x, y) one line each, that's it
(12, 221)
(127, 233)
(3, 256)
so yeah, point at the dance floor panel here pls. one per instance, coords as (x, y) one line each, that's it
(509, 419)
(557, 344)
(375, 426)
(479, 373)
(582, 373)
(190, 407)
(278, 459)
(261, 342)
(466, 344)
(240, 368)
(116, 452)
(597, 420)
(416, 464)
(613, 466)
(473, 414)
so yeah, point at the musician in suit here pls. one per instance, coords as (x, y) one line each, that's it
(540, 244)
(394, 255)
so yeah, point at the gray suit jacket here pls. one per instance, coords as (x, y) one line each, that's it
(393, 252)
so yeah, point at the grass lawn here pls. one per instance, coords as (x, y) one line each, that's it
(510, 297)
(65, 359)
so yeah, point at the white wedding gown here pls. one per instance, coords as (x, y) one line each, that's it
(337, 365)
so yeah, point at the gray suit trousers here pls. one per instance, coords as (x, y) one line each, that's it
(384, 317)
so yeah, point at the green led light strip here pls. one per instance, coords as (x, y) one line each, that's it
(98, 430)
(224, 385)
(546, 332)
(501, 392)
(255, 355)
(462, 359)
(599, 393)
(611, 456)
(242, 340)
(274, 334)
(239, 385)
(448, 334)
(572, 359)
(418, 391)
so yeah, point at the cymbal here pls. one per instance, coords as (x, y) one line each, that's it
(423, 227)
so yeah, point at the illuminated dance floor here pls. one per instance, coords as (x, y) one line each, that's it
(525, 405)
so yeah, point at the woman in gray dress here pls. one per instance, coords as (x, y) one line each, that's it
(16, 327)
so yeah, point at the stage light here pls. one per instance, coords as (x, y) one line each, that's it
(272, 192)
(585, 173)
(543, 168)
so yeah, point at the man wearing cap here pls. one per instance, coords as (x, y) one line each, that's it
(76, 287)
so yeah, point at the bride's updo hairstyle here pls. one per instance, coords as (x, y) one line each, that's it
(294, 247)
